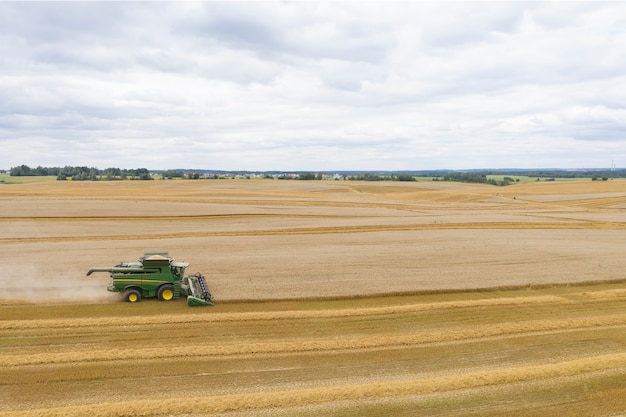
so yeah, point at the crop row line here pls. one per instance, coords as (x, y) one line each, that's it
(277, 315)
(596, 225)
(288, 347)
(347, 392)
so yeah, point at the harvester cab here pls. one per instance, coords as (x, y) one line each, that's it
(157, 275)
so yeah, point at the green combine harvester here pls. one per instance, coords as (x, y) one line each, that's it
(157, 275)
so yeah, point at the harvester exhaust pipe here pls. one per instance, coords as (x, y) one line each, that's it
(92, 270)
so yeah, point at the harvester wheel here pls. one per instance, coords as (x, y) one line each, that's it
(132, 296)
(166, 292)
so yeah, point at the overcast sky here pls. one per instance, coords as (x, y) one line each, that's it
(313, 85)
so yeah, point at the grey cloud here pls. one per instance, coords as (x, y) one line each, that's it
(473, 23)
(597, 123)
(310, 85)
(60, 21)
(277, 36)
(245, 34)
(600, 132)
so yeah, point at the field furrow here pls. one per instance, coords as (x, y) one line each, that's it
(344, 352)
(526, 225)
(348, 392)
(284, 315)
(191, 349)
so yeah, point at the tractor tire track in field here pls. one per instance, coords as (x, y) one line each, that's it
(406, 351)
(192, 349)
(279, 315)
(347, 392)
(595, 225)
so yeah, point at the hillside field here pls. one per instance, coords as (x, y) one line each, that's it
(333, 298)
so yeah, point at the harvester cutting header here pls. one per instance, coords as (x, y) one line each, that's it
(157, 275)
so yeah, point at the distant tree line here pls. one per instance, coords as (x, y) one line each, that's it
(84, 173)
(192, 175)
(561, 173)
(381, 177)
(77, 173)
(172, 173)
(476, 177)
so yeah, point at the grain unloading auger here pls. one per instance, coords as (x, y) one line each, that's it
(157, 275)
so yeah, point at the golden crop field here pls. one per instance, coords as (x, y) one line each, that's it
(333, 298)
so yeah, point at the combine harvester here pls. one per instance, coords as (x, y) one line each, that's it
(157, 275)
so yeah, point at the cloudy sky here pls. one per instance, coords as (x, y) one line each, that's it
(311, 85)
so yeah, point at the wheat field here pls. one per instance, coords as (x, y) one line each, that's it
(333, 298)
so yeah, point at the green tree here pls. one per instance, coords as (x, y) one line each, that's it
(307, 176)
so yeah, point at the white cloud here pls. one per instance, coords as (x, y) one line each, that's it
(313, 85)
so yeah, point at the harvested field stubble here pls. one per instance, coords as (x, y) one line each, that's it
(345, 352)
(363, 318)
(284, 239)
